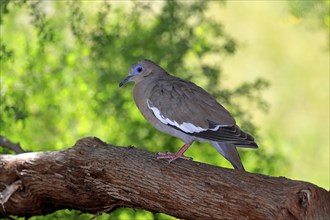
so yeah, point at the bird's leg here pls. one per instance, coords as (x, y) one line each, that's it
(179, 154)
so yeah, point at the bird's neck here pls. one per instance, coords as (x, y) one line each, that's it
(141, 90)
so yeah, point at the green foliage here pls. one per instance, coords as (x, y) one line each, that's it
(61, 63)
(318, 11)
(118, 214)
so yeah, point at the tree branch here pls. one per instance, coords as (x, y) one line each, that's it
(95, 177)
(4, 142)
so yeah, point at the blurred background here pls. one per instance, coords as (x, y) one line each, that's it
(267, 62)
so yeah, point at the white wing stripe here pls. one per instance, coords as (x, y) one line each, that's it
(185, 126)
(217, 127)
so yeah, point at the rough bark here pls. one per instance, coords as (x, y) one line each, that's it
(95, 177)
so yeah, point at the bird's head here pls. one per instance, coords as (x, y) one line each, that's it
(140, 70)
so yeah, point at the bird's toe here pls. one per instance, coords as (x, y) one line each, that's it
(171, 156)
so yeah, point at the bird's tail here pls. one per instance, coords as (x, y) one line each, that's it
(229, 151)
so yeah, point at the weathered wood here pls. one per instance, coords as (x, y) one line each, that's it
(94, 177)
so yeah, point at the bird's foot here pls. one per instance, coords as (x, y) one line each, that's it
(171, 156)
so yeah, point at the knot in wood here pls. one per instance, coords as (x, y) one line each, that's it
(89, 142)
(304, 196)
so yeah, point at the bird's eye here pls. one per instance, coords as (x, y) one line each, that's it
(138, 69)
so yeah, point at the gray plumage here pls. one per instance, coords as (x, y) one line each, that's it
(184, 110)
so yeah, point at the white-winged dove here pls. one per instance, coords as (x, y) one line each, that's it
(184, 110)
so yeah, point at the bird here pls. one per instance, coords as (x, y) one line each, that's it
(184, 110)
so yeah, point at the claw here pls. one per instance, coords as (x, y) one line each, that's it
(172, 157)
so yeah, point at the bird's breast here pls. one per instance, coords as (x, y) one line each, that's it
(141, 95)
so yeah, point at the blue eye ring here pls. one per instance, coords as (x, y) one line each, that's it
(138, 69)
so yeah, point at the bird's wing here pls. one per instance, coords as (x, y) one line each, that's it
(188, 108)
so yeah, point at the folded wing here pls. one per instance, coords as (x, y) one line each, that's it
(188, 108)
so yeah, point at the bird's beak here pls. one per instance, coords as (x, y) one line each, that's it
(127, 79)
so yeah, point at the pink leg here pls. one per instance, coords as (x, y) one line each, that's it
(175, 156)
